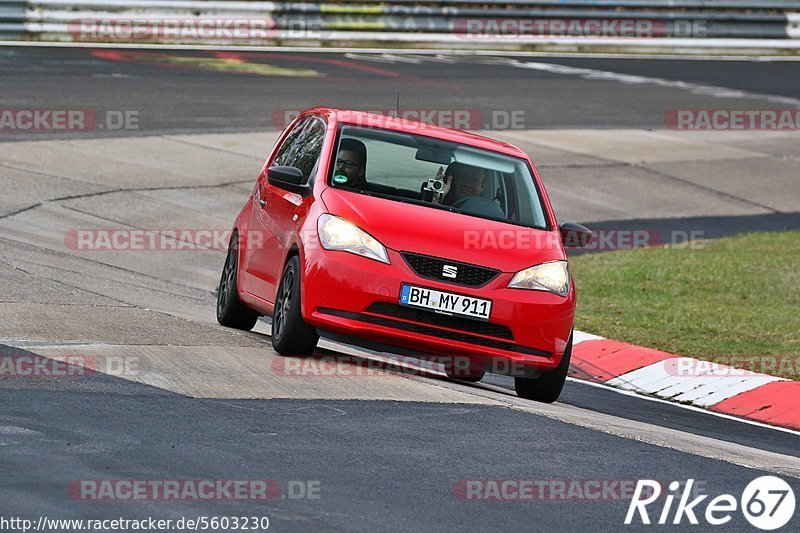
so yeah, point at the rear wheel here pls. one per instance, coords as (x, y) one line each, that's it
(290, 334)
(547, 387)
(231, 312)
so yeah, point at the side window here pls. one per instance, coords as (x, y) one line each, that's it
(302, 147)
(309, 148)
(284, 154)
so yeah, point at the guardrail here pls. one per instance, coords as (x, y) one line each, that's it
(12, 19)
(447, 21)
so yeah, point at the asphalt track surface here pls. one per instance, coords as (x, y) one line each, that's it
(382, 465)
(239, 91)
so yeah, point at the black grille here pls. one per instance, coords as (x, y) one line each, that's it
(432, 268)
(435, 332)
(435, 319)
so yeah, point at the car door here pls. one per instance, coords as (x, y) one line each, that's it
(274, 215)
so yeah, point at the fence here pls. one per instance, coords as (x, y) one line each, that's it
(443, 21)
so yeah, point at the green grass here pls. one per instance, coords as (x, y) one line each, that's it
(738, 296)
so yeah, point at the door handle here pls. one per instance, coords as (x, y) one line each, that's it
(261, 202)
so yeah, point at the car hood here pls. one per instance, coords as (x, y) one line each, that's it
(435, 232)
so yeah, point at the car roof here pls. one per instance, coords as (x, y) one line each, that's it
(363, 118)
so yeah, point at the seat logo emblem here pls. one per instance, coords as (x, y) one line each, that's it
(449, 271)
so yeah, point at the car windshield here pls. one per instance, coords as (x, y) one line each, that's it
(439, 174)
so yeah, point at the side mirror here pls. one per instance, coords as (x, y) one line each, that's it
(574, 235)
(288, 178)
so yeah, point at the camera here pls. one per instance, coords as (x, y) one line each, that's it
(435, 185)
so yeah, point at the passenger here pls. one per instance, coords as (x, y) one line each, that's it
(463, 189)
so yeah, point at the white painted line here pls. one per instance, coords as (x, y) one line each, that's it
(419, 51)
(444, 39)
(632, 79)
(685, 406)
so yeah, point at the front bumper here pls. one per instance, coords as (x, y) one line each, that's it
(353, 295)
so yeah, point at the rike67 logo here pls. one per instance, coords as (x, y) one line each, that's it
(767, 503)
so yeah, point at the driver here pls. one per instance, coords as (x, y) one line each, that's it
(351, 164)
(463, 189)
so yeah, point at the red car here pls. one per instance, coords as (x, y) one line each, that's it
(435, 242)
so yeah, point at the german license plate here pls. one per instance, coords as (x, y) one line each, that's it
(445, 303)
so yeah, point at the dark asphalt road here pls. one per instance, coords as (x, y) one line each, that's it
(706, 227)
(189, 91)
(379, 466)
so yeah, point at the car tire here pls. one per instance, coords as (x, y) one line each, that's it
(231, 312)
(547, 387)
(290, 333)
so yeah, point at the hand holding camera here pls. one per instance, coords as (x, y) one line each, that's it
(439, 185)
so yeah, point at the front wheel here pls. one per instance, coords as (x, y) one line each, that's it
(547, 387)
(231, 312)
(290, 334)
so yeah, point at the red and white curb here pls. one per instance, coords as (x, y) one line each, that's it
(724, 389)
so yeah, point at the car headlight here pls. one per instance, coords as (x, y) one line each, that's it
(338, 234)
(552, 277)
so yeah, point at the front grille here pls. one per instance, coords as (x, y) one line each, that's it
(434, 332)
(445, 321)
(429, 267)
